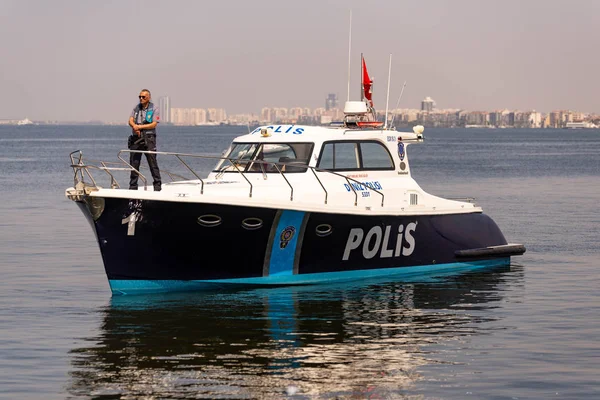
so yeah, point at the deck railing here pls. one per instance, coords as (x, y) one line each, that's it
(83, 169)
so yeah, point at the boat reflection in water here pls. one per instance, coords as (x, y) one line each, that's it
(359, 341)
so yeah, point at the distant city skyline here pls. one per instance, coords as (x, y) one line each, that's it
(66, 60)
(427, 115)
(331, 109)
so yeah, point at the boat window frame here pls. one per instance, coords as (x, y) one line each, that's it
(359, 151)
(222, 166)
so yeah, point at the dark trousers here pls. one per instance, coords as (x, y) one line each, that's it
(145, 143)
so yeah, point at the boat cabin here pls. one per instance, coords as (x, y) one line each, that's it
(358, 144)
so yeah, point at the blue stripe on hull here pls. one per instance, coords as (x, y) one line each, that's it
(283, 252)
(119, 286)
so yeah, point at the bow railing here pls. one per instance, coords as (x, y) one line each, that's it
(84, 181)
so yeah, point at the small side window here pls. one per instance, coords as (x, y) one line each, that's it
(352, 156)
(339, 156)
(375, 156)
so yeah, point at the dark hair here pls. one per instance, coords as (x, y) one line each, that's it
(146, 90)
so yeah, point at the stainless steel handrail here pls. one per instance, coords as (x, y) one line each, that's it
(79, 166)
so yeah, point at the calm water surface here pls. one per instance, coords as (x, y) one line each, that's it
(529, 331)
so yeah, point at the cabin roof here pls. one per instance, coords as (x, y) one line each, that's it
(308, 133)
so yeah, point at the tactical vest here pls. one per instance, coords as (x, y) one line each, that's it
(148, 119)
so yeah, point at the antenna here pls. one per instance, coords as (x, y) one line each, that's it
(362, 79)
(349, 48)
(397, 104)
(388, 93)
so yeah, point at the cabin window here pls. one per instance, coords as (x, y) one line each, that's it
(375, 156)
(239, 154)
(349, 155)
(339, 156)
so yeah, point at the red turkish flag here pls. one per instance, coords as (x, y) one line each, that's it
(367, 83)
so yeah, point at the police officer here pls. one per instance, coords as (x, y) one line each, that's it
(143, 121)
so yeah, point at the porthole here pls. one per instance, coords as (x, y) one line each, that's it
(209, 220)
(252, 223)
(323, 230)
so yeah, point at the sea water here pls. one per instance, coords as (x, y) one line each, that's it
(528, 331)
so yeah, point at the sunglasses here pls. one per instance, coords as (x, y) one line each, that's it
(143, 97)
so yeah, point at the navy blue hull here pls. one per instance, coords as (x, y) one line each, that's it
(168, 242)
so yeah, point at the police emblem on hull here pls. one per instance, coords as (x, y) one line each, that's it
(400, 149)
(286, 235)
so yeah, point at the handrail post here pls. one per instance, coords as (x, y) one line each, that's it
(193, 172)
(113, 182)
(286, 181)
(348, 179)
(131, 166)
(242, 174)
(320, 183)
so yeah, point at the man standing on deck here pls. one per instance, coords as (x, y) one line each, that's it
(143, 121)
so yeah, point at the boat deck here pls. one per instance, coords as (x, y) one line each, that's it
(315, 189)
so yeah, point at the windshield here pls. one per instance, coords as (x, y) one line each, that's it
(266, 157)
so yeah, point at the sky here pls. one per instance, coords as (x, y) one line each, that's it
(81, 60)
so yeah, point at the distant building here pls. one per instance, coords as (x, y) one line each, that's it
(500, 118)
(216, 115)
(164, 107)
(295, 113)
(428, 104)
(188, 116)
(267, 115)
(331, 102)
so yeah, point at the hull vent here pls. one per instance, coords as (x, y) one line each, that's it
(414, 199)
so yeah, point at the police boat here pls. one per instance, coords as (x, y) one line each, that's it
(284, 205)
